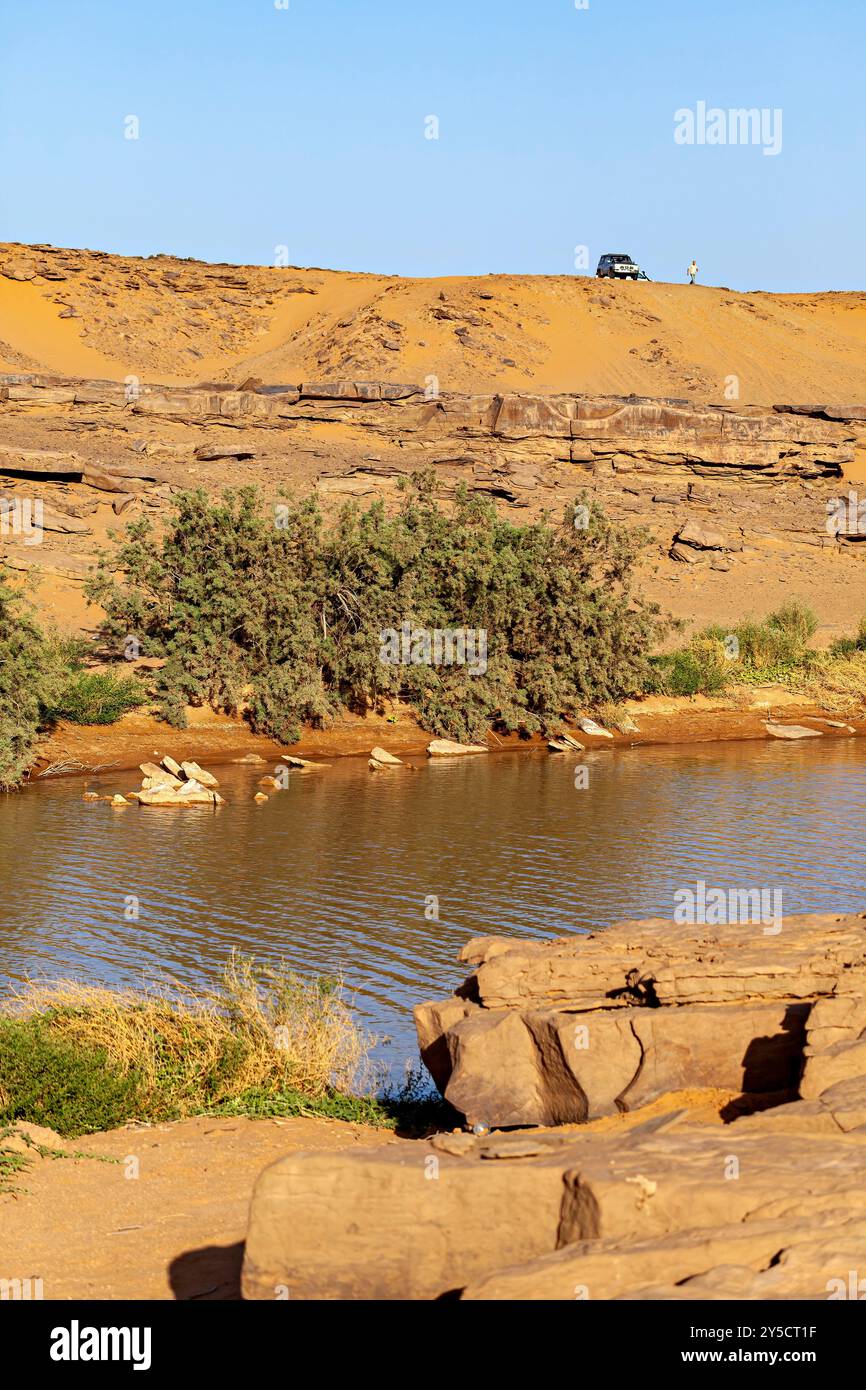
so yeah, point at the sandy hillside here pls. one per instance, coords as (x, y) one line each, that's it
(90, 314)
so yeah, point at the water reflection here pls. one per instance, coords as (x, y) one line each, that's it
(334, 873)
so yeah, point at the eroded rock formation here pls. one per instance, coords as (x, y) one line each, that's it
(549, 1032)
(719, 488)
(771, 1205)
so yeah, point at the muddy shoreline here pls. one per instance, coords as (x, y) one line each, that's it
(83, 751)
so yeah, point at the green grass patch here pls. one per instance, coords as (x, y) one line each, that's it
(265, 1042)
(58, 1083)
(96, 697)
(774, 649)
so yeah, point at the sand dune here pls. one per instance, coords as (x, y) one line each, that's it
(92, 314)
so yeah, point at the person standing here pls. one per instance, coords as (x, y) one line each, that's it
(693, 271)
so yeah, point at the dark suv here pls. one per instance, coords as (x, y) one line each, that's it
(614, 267)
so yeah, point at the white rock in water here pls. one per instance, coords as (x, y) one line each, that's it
(156, 776)
(572, 742)
(381, 755)
(189, 794)
(198, 774)
(589, 726)
(791, 731)
(446, 748)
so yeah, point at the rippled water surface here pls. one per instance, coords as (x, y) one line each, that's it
(334, 872)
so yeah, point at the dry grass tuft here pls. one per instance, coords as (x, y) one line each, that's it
(838, 682)
(260, 1029)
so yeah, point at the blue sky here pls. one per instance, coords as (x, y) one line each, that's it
(305, 128)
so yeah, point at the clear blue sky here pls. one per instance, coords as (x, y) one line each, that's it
(304, 127)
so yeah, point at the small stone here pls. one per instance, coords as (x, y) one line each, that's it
(447, 748)
(791, 731)
(589, 726)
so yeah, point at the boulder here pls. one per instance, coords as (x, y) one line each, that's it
(157, 776)
(598, 1214)
(825, 1068)
(569, 1030)
(747, 1251)
(589, 726)
(187, 794)
(403, 1223)
(384, 758)
(212, 453)
(194, 773)
(701, 537)
(447, 748)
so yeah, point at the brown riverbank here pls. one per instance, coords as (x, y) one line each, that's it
(73, 749)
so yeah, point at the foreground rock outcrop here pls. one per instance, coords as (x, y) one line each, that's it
(770, 1205)
(564, 1031)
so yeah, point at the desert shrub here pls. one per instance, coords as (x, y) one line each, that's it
(65, 1085)
(847, 646)
(97, 697)
(286, 620)
(79, 1057)
(42, 679)
(32, 670)
(780, 640)
(774, 648)
(837, 681)
(701, 668)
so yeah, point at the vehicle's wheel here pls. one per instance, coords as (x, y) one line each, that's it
(634, 277)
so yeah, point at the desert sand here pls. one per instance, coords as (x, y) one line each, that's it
(90, 314)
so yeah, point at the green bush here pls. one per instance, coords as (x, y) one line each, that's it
(42, 679)
(780, 640)
(264, 1042)
(285, 616)
(699, 669)
(767, 650)
(92, 697)
(847, 646)
(48, 1080)
(32, 670)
